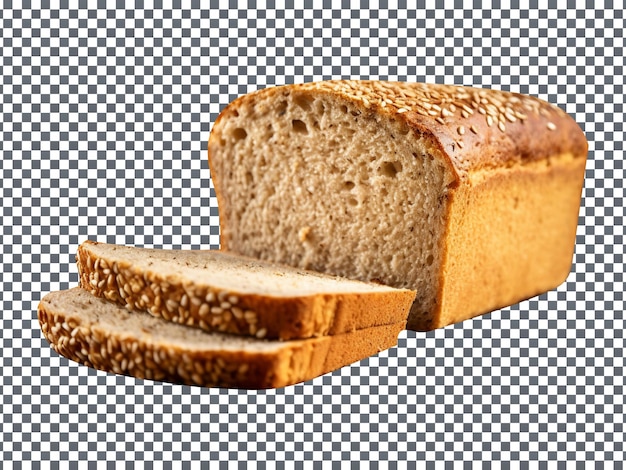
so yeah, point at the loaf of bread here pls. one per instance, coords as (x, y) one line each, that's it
(105, 336)
(468, 196)
(225, 292)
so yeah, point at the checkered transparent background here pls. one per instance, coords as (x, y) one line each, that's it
(105, 117)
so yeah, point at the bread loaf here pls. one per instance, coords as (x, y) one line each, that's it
(224, 292)
(468, 196)
(108, 337)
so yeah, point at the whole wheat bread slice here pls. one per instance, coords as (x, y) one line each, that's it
(109, 337)
(224, 292)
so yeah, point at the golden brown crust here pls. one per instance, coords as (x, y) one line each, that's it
(203, 306)
(143, 357)
(535, 208)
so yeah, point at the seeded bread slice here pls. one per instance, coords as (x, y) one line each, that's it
(469, 196)
(108, 337)
(225, 292)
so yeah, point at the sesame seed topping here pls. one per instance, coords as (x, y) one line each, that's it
(204, 310)
(401, 110)
(461, 130)
(473, 129)
(440, 120)
(501, 126)
(551, 126)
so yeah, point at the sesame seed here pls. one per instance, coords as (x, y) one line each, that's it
(250, 316)
(210, 297)
(383, 104)
(204, 310)
(237, 312)
(460, 144)
(401, 110)
(261, 333)
(461, 130)
(233, 299)
(225, 305)
(489, 120)
(440, 120)
(216, 310)
(171, 305)
(551, 126)
(501, 126)
(473, 129)
(184, 301)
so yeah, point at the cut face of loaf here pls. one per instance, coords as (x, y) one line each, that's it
(108, 337)
(468, 196)
(218, 291)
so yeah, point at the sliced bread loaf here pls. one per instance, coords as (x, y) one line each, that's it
(225, 292)
(468, 196)
(108, 337)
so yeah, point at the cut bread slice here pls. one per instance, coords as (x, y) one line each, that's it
(109, 337)
(224, 292)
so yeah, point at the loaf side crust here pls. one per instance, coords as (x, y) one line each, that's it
(138, 354)
(511, 236)
(185, 300)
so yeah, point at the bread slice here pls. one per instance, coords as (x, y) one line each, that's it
(108, 337)
(229, 293)
(468, 196)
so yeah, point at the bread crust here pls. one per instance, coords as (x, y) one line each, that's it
(489, 141)
(142, 356)
(105, 272)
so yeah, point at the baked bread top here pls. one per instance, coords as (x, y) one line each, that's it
(474, 129)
